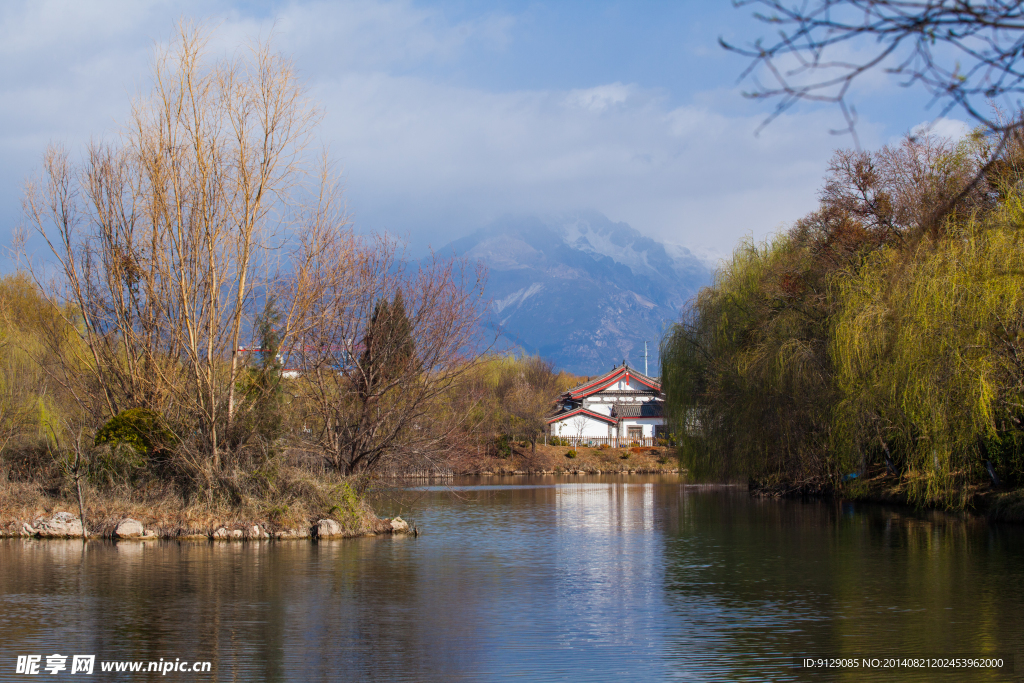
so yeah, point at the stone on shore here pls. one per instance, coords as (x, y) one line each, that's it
(128, 528)
(328, 528)
(220, 534)
(399, 525)
(61, 525)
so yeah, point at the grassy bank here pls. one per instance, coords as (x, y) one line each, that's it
(563, 459)
(292, 508)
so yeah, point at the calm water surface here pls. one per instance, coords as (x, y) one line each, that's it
(543, 578)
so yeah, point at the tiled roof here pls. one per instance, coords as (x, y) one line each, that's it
(587, 388)
(637, 410)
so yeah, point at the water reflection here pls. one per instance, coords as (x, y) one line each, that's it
(595, 578)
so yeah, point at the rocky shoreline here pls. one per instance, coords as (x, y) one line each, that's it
(68, 525)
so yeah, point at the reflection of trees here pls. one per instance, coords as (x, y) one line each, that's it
(356, 609)
(702, 577)
(755, 580)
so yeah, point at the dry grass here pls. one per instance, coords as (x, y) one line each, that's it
(553, 459)
(299, 499)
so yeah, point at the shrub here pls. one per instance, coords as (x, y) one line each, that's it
(603, 447)
(503, 444)
(570, 453)
(624, 455)
(139, 428)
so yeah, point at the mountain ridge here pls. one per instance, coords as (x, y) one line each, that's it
(581, 290)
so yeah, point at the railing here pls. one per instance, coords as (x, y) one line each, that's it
(409, 473)
(612, 442)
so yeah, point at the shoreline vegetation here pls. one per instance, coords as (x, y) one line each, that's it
(204, 347)
(875, 349)
(882, 488)
(205, 341)
(314, 501)
(208, 350)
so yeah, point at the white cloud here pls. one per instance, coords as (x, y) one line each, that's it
(951, 129)
(427, 157)
(422, 156)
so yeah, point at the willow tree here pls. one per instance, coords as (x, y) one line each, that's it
(750, 371)
(930, 354)
(166, 239)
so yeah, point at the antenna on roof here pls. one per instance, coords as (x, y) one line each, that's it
(645, 360)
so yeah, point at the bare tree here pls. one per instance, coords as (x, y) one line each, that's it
(525, 392)
(166, 243)
(965, 53)
(389, 343)
(579, 425)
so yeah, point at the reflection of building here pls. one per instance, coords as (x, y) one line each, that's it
(623, 405)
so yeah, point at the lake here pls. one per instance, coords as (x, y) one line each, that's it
(603, 578)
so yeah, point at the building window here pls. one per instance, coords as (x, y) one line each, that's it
(636, 432)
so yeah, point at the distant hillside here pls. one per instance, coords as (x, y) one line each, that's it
(581, 290)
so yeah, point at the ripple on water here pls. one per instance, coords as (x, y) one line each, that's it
(600, 578)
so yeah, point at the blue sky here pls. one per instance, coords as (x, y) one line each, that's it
(445, 115)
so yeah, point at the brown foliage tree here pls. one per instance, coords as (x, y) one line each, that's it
(165, 241)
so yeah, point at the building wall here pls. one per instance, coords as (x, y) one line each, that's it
(599, 429)
(592, 428)
(646, 423)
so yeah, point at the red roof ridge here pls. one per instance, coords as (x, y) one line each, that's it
(562, 416)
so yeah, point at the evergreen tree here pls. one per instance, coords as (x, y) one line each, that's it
(264, 388)
(389, 351)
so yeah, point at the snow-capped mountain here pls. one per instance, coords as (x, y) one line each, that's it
(581, 290)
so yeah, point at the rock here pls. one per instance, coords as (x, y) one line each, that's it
(220, 533)
(61, 525)
(399, 525)
(327, 528)
(237, 535)
(27, 530)
(149, 533)
(128, 528)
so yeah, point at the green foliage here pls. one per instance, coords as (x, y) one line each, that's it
(571, 453)
(503, 445)
(866, 333)
(129, 445)
(345, 507)
(261, 385)
(928, 349)
(140, 429)
(389, 347)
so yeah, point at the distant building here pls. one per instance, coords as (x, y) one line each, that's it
(621, 406)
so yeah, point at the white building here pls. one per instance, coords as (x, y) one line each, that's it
(624, 405)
